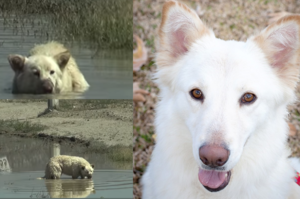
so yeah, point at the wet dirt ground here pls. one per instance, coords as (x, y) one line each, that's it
(96, 120)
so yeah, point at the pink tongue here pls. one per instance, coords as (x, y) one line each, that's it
(211, 179)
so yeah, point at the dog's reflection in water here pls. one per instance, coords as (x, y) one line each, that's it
(68, 188)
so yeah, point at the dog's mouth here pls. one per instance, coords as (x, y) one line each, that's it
(214, 180)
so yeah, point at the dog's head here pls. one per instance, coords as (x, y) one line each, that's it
(223, 91)
(38, 74)
(87, 170)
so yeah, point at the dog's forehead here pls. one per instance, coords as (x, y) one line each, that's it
(39, 61)
(230, 61)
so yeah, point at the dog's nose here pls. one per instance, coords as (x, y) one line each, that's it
(48, 87)
(213, 155)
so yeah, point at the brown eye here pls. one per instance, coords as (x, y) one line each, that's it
(197, 94)
(248, 98)
(51, 72)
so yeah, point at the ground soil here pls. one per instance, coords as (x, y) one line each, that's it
(108, 124)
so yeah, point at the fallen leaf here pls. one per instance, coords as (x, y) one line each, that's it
(154, 136)
(138, 93)
(293, 130)
(140, 55)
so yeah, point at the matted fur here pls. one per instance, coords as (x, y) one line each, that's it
(69, 165)
(224, 71)
(57, 69)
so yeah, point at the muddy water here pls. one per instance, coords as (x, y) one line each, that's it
(109, 72)
(23, 160)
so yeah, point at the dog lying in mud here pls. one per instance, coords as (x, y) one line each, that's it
(68, 165)
(48, 69)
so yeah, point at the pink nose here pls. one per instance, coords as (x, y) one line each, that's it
(213, 155)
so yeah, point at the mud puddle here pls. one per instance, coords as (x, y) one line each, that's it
(23, 160)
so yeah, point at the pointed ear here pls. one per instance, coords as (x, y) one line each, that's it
(280, 42)
(179, 29)
(62, 59)
(92, 165)
(16, 62)
(83, 167)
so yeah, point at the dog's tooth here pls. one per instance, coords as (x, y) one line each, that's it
(226, 175)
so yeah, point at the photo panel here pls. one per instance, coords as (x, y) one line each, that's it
(66, 99)
(216, 99)
(46, 149)
(66, 49)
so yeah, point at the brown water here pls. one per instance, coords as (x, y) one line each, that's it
(23, 160)
(109, 72)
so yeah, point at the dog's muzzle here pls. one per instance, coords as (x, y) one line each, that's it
(213, 177)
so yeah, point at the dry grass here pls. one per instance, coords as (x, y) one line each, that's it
(16, 126)
(230, 20)
(102, 24)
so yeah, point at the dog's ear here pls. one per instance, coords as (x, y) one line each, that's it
(179, 29)
(62, 59)
(16, 62)
(280, 42)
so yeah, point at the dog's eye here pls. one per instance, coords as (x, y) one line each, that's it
(51, 72)
(197, 94)
(248, 98)
(36, 73)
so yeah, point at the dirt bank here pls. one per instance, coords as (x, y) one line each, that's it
(106, 123)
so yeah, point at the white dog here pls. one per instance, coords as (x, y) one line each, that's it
(220, 124)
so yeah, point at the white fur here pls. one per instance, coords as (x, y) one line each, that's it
(255, 134)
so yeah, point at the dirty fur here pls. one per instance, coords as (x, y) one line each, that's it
(49, 68)
(68, 165)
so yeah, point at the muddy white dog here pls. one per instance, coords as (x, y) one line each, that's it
(50, 68)
(220, 124)
(68, 165)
